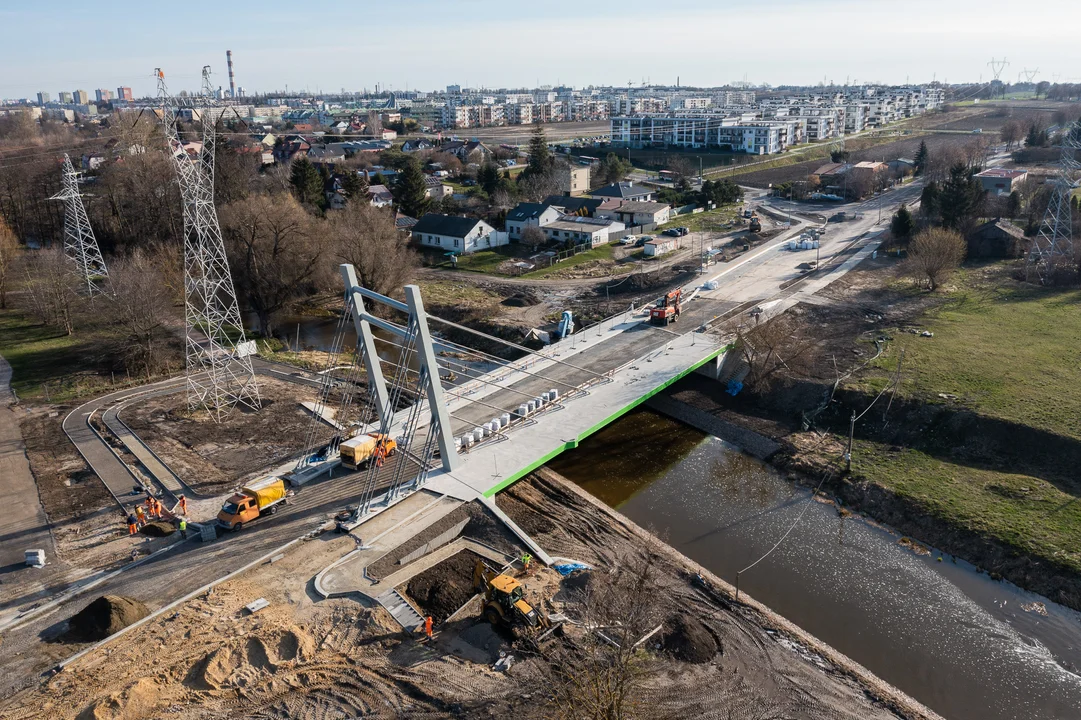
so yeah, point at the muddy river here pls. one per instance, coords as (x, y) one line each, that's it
(968, 647)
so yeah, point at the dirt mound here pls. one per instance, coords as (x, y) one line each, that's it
(522, 299)
(107, 615)
(686, 638)
(137, 701)
(443, 588)
(576, 585)
(158, 528)
(245, 660)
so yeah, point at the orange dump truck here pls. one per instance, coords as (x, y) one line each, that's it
(357, 451)
(256, 499)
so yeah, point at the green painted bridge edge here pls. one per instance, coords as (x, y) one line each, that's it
(515, 477)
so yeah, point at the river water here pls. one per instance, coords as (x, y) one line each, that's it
(941, 631)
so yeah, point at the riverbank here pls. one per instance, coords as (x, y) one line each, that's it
(973, 450)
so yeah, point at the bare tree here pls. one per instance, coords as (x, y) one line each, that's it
(51, 288)
(772, 346)
(9, 248)
(539, 186)
(1011, 133)
(273, 251)
(140, 311)
(599, 675)
(533, 237)
(367, 237)
(934, 254)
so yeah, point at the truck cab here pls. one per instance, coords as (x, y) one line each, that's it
(237, 510)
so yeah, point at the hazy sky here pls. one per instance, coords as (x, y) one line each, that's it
(69, 44)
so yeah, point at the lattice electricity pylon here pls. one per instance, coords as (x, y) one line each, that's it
(217, 358)
(79, 242)
(1052, 248)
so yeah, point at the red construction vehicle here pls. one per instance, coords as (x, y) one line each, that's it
(668, 309)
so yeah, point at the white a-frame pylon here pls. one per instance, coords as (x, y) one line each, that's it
(217, 360)
(79, 241)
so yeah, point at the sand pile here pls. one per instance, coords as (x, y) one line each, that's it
(107, 615)
(686, 638)
(243, 661)
(138, 701)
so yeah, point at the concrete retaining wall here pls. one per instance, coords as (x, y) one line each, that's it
(435, 543)
(750, 442)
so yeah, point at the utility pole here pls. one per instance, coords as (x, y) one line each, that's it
(851, 434)
(219, 373)
(79, 242)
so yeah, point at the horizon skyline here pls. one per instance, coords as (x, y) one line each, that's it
(271, 56)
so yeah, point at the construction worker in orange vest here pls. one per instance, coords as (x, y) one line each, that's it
(132, 525)
(183, 505)
(155, 509)
(140, 516)
(428, 627)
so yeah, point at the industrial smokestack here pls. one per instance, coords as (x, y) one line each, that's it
(232, 81)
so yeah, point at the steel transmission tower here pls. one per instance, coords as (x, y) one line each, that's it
(1053, 247)
(217, 358)
(79, 242)
(997, 66)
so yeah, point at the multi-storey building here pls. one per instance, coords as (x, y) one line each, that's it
(43, 98)
(124, 94)
(80, 97)
(65, 98)
(103, 95)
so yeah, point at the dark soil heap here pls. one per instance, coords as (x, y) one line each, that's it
(687, 639)
(158, 528)
(105, 616)
(443, 588)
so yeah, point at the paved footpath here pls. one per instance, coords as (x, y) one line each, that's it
(23, 524)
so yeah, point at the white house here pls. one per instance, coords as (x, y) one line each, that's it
(434, 189)
(661, 245)
(582, 230)
(638, 213)
(457, 234)
(380, 195)
(529, 214)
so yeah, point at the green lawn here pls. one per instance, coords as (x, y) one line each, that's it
(487, 261)
(718, 220)
(601, 252)
(1007, 351)
(40, 356)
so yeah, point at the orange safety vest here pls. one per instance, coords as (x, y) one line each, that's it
(428, 625)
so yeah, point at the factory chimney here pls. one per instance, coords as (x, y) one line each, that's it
(232, 81)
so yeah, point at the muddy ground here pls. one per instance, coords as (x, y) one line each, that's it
(212, 458)
(308, 659)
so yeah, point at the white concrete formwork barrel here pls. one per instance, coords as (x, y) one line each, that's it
(504, 420)
(522, 411)
(531, 405)
(478, 433)
(467, 440)
(457, 443)
(554, 393)
(494, 422)
(487, 428)
(546, 397)
(539, 400)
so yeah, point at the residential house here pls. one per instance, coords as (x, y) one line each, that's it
(380, 195)
(574, 180)
(464, 149)
(285, 150)
(456, 234)
(388, 134)
(434, 189)
(997, 238)
(1001, 181)
(624, 191)
(867, 177)
(525, 215)
(403, 223)
(582, 230)
(638, 213)
(332, 153)
(417, 145)
(581, 206)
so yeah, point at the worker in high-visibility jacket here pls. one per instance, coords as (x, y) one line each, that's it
(182, 505)
(133, 526)
(428, 627)
(140, 516)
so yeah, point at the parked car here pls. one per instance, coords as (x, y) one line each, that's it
(469, 182)
(683, 231)
(643, 240)
(627, 240)
(672, 232)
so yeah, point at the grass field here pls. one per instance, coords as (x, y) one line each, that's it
(1008, 352)
(719, 220)
(44, 361)
(601, 252)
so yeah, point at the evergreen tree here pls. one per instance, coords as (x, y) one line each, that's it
(902, 225)
(307, 183)
(961, 198)
(922, 156)
(1013, 204)
(354, 185)
(540, 158)
(411, 190)
(929, 200)
(488, 177)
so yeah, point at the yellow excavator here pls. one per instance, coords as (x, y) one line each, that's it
(503, 600)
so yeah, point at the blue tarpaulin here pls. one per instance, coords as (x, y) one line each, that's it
(565, 569)
(734, 386)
